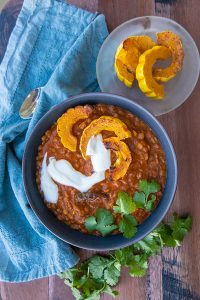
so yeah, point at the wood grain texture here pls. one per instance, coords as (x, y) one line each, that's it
(37, 289)
(119, 11)
(91, 5)
(181, 267)
(174, 275)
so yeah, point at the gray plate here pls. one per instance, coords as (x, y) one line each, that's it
(177, 90)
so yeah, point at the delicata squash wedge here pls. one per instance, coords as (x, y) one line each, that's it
(173, 42)
(123, 155)
(103, 123)
(144, 75)
(125, 64)
(127, 57)
(65, 124)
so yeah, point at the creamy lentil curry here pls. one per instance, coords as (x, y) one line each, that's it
(147, 162)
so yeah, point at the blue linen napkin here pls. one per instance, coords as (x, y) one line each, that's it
(53, 45)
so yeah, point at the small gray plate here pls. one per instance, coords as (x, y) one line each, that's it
(177, 90)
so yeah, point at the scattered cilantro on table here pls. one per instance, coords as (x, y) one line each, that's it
(128, 226)
(99, 274)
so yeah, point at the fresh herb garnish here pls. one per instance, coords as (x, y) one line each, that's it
(99, 274)
(102, 222)
(125, 204)
(128, 226)
(144, 197)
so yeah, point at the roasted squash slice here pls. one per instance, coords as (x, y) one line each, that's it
(103, 123)
(173, 42)
(127, 57)
(123, 155)
(65, 124)
(146, 82)
(141, 42)
(125, 64)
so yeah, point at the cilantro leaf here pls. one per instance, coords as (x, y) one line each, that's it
(165, 234)
(125, 204)
(180, 227)
(125, 255)
(105, 268)
(102, 223)
(127, 226)
(150, 202)
(90, 223)
(138, 266)
(110, 292)
(97, 265)
(149, 187)
(149, 245)
(144, 198)
(76, 293)
(112, 273)
(140, 199)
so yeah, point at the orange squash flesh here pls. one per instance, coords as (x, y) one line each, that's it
(173, 42)
(147, 83)
(103, 123)
(125, 64)
(127, 57)
(65, 124)
(123, 155)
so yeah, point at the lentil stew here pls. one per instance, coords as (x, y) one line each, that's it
(148, 162)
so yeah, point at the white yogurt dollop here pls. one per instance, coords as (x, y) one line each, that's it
(48, 186)
(99, 155)
(63, 172)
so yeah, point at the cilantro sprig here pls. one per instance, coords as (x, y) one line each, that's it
(125, 205)
(145, 196)
(102, 222)
(99, 274)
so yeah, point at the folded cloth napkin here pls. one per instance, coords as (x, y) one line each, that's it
(53, 45)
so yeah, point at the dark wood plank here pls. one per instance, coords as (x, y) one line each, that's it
(37, 289)
(91, 5)
(118, 11)
(180, 267)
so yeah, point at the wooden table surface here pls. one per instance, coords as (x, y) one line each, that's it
(175, 274)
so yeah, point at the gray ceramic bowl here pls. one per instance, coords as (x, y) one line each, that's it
(60, 229)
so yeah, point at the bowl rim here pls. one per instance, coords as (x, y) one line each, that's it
(90, 96)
